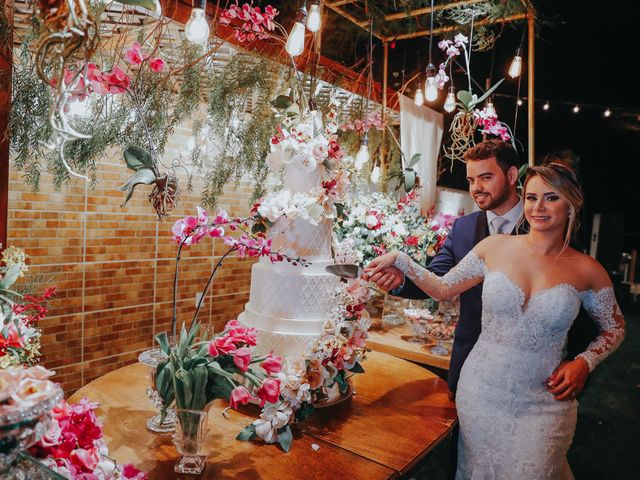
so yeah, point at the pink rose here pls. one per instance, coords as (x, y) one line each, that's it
(239, 396)
(269, 391)
(242, 358)
(272, 364)
(157, 65)
(85, 459)
(358, 290)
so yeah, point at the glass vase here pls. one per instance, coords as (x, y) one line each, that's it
(163, 422)
(191, 429)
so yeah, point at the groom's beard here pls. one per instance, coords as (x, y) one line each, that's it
(494, 202)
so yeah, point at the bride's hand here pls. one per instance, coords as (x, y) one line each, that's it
(379, 263)
(568, 379)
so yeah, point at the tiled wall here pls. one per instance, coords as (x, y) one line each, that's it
(113, 267)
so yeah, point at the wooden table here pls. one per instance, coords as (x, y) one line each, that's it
(394, 341)
(399, 413)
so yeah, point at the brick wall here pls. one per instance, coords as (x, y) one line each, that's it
(113, 267)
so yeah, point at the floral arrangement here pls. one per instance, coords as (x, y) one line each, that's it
(255, 22)
(322, 373)
(303, 146)
(373, 120)
(370, 231)
(19, 314)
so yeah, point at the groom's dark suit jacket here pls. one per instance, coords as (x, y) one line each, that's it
(467, 231)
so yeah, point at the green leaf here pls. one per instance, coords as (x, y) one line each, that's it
(522, 170)
(137, 158)
(163, 341)
(305, 411)
(247, 433)
(465, 97)
(486, 94)
(217, 369)
(148, 4)
(285, 437)
(11, 275)
(200, 375)
(357, 368)
(415, 159)
(409, 179)
(282, 102)
(143, 176)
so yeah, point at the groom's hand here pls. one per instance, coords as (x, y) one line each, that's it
(387, 279)
(568, 379)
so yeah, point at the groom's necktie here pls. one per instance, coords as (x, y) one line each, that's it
(498, 225)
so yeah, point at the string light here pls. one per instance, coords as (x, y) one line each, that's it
(419, 98)
(519, 102)
(490, 109)
(314, 20)
(607, 113)
(197, 29)
(450, 102)
(375, 174)
(546, 106)
(362, 156)
(515, 69)
(431, 84)
(576, 109)
(295, 42)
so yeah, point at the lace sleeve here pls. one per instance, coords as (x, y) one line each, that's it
(603, 308)
(469, 272)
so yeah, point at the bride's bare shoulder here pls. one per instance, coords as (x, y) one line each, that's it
(589, 268)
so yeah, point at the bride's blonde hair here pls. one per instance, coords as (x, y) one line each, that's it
(564, 180)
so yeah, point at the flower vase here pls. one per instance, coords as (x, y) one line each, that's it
(191, 429)
(163, 422)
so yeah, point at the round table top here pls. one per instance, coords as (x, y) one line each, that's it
(400, 411)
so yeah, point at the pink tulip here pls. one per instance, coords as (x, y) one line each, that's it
(157, 65)
(242, 358)
(272, 364)
(133, 56)
(269, 391)
(239, 396)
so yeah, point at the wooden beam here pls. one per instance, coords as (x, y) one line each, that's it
(423, 11)
(487, 21)
(6, 68)
(339, 3)
(531, 105)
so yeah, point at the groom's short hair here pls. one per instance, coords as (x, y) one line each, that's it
(503, 152)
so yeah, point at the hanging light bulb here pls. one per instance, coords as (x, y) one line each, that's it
(431, 84)
(576, 109)
(490, 109)
(295, 42)
(450, 102)
(375, 174)
(197, 29)
(545, 106)
(515, 69)
(362, 156)
(419, 98)
(607, 113)
(314, 20)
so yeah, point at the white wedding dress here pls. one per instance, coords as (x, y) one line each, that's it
(511, 427)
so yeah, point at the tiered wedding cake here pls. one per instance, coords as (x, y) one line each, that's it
(288, 304)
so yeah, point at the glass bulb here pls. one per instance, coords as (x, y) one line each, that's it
(362, 156)
(431, 89)
(490, 109)
(419, 98)
(576, 109)
(375, 174)
(295, 42)
(450, 102)
(515, 69)
(314, 20)
(197, 28)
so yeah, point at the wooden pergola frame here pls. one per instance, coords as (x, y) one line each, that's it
(530, 16)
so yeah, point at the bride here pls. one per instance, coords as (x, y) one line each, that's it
(516, 399)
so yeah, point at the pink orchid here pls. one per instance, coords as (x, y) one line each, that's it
(134, 56)
(118, 80)
(272, 364)
(242, 358)
(269, 391)
(239, 396)
(156, 65)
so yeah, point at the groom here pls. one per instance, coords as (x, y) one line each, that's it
(492, 173)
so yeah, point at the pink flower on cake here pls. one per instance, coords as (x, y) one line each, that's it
(242, 358)
(269, 391)
(272, 364)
